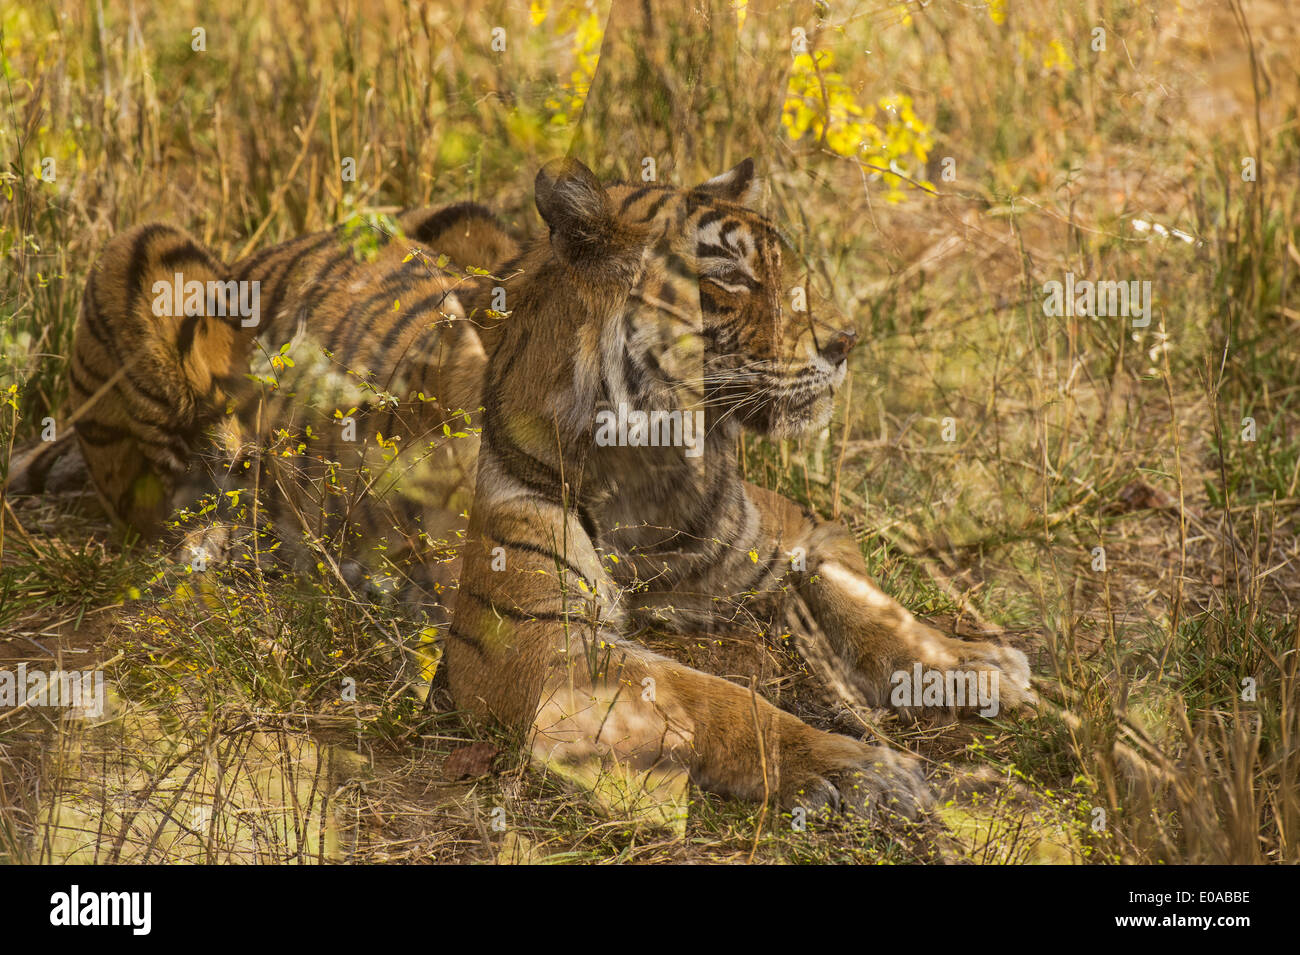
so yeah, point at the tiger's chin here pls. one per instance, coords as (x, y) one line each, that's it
(805, 421)
(785, 419)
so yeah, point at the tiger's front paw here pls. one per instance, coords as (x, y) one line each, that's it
(963, 677)
(842, 775)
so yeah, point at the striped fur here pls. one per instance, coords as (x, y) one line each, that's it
(375, 347)
(144, 387)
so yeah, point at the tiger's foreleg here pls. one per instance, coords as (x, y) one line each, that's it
(887, 655)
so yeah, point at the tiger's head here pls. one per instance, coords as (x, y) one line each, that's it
(699, 310)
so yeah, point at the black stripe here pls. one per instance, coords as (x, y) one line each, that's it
(134, 287)
(442, 220)
(79, 382)
(681, 268)
(633, 197)
(272, 257)
(709, 302)
(656, 370)
(547, 616)
(147, 414)
(518, 463)
(190, 251)
(550, 492)
(474, 643)
(90, 312)
(710, 217)
(522, 466)
(252, 262)
(185, 340)
(98, 435)
(410, 316)
(358, 320)
(544, 552)
(695, 199)
(655, 207)
(135, 272)
(502, 364)
(633, 376)
(513, 264)
(393, 284)
(725, 235)
(333, 271)
(163, 400)
(173, 441)
(280, 281)
(712, 249)
(311, 303)
(740, 279)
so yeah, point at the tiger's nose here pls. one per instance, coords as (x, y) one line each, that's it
(838, 348)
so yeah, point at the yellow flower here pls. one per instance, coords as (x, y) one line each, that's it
(1056, 56)
(819, 102)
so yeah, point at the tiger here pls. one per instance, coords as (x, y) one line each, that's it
(174, 395)
(664, 298)
(641, 308)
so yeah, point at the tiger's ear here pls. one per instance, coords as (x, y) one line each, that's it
(737, 184)
(575, 205)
